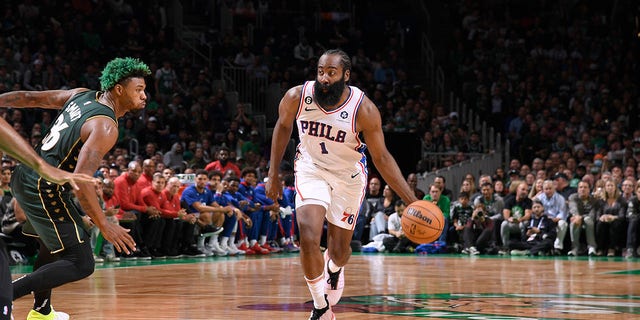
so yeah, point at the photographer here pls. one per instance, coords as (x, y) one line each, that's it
(478, 231)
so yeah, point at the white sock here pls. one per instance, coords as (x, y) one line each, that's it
(316, 287)
(333, 267)
(231, 240)
(252, 243)
(224, 241)
(213, 240)
(263, 240)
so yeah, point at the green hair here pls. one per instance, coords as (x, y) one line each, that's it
(120, 69)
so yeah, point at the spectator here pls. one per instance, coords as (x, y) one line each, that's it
(440, 181)
(562, 185)
(516, 214)
(244, 58)
(153, 224)
(166, 82)
(223, 164)
(461, 212)
(444, 203)
(174, 215)
(583, 209)
(174, 158)
(555, 207)
(610, 225)
(412, 180)
(398, 243)
(539, 234)
(633, 216)
(128, 194)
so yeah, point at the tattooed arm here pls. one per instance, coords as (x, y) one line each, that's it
(99, 134)
(51, 99)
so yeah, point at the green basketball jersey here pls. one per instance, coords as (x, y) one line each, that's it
(61, 144)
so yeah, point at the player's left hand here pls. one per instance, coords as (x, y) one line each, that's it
(61, 177)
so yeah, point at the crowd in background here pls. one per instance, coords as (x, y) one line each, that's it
(558, 80)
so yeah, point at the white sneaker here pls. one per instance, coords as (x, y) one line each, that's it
(226, 249)
(208, 252)
(473, 251)
(592, 251)
(235, 249)
(519, 252)
(217, 250)
(333, 282)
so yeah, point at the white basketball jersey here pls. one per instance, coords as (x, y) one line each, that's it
(328, 139)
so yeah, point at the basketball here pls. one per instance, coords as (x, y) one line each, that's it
(422, 222)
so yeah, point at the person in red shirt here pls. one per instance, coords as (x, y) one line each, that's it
(126, 219)
(223, 164)
(153, 224)
(129, 194)
(146, 178)
(174, 215)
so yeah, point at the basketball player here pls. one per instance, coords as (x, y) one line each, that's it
(14, 145)
(84, 131)
(331, 170)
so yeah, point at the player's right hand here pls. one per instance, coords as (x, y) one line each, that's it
(119, 237)
(273, 188)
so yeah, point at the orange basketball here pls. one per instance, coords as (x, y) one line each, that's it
(422, 222)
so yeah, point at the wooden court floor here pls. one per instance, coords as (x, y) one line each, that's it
(378, 286)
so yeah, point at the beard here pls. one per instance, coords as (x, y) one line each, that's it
(331, 96)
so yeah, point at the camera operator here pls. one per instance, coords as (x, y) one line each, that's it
(478, 231)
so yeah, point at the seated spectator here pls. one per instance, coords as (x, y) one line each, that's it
(516, 213)
(444, 203)
(174, 215)
(633, 216)
(223, 164)
(153, 224)
(610, 223)
(461, 211)
(127, 219)
(539, 235)
(583, 209)
(555, 207)
(398, 243)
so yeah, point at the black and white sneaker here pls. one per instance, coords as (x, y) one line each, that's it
(323, 314)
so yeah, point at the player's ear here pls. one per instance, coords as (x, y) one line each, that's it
(119, 89)
(347, 75)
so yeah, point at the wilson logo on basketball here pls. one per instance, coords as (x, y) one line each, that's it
(416, 213)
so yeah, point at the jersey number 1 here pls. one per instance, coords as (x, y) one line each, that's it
(324, 148)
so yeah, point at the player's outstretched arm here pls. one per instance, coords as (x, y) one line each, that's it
(370, 124)
(287, 111)
(17, 147)
(50, 99)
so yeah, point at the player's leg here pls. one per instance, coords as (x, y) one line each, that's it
(51, 271)
(311, 221)
(6, 291)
